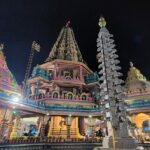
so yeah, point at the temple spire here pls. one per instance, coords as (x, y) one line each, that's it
(65, 47)
(8, 82)
(135, 74)
(136, 81)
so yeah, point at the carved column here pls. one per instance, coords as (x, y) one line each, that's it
(3, 122)
(42, 127)
(3, 126)
(10, 127)
(81, 73)
(42, 130)
(15, 128)
(10, 123)
(51, 127)
(81, 126)
(47, 125)
(38, 84)
(55, 71)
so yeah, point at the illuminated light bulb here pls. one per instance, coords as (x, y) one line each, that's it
(15, 99)
(90, 116)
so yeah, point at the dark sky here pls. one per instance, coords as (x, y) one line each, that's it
(23, 21)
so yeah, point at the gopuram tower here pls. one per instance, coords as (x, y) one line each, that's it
(67, 88)
(9, 89)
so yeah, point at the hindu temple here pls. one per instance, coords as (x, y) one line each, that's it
(62, 95)
(62, 99)
(67, 87)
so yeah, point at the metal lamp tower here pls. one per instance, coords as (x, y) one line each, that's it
(35, 47)
(111, 90)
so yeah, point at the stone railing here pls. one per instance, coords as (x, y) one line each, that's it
(42, 107)
(137, 94)
(28, 140)
(52, 146)
(50, 98)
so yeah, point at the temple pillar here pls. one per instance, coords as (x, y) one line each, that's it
(37, 88)
(50, 127)
(78, 135)
(3, 126)
(15, 128)
(55, 71)
(28, 90)
(10, 123)
(42, 126)
(42, 130)
(81, 126)
(3, 121)
(68, 124)
(39, 125)
(10, 127)
(81, 73)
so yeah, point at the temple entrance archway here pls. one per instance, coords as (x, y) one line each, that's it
(140, 118)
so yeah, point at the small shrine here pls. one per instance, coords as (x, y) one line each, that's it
(138, 104)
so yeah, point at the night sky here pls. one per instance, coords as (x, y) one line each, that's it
(23, 21)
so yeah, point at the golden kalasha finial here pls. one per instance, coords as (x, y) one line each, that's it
(102, 22)
(131, 64)
(1, 47)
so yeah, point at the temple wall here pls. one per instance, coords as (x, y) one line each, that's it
(58, 127)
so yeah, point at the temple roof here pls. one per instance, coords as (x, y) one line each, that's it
(8, 82)
(65, 47)
(136, 81)
(134, 74)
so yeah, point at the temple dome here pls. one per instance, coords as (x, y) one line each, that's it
(65, 47)
(136, 82)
